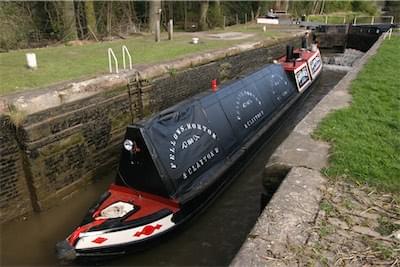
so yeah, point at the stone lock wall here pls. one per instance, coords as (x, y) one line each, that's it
(67, 146)
(14, 194)
(173, 87)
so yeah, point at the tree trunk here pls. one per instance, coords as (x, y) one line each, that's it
(285, 5)
(109, 18)
(78, 14)
(262, 8)
(69, 21)
(322, 7)
(154, 14)
(185, 15)
(170, 10)
(203, 15)
(90, 16)
(218, 13)
(131, 15)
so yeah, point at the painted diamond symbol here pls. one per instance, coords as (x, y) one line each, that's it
(99, 240)
(148, 230)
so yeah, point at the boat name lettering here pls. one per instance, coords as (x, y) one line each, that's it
(247, 103)
(243, 100)
(188, 142)
(254, 119)
(192, 169)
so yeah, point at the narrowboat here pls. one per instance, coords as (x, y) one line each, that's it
(173, 164)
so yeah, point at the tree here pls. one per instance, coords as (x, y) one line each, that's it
(90, 17)
(131, 15)
(154, 14)
(262, 7)
(203, 15)
(214, 16)
(69, 22)
(393, 9)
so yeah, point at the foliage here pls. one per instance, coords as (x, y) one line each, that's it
(16, 25)
(338, 6)
(16, 117)
(368, 7)
(365, 137)
(394, 9)
(299, 8)
(231, 9)
(215, 18)
(386, 226)
(60, 21)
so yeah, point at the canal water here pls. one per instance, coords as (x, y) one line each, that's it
(212, 238)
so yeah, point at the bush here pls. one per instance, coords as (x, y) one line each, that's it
(368, 7)
(15, 26)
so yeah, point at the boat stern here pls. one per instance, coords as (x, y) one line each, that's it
(121, 218)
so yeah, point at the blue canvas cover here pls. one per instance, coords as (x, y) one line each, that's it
(182, 147)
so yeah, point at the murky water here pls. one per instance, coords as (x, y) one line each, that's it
(212, 238)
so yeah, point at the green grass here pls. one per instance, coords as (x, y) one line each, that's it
(366, 136)
(74, 62)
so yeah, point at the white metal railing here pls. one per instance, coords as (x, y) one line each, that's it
(372, 19)
(126, 51)
(111, 54)
(388, 34)
(326, 18)
(112, 57)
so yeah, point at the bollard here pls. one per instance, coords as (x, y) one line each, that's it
(195, 40)
(170, 29)
(214, 85)
(264, 28)
(158, 31)
(224, 22)
(31, 60)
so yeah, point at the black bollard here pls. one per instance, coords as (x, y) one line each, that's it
(289, 53)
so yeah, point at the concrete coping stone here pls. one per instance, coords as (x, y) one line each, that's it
(294, 206)
(33, 101)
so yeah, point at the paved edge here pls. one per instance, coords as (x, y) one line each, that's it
(295, 205)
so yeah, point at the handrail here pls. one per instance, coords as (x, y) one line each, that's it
(326, 17)
(125, 50)
(111, 53)
(388, 34)
(373, 19)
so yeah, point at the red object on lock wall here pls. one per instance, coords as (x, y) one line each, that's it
(214, 85)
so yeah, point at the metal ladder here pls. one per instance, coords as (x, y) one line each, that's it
(135, 97)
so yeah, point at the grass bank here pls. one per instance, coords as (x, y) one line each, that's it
(63, 63)
(366, 136)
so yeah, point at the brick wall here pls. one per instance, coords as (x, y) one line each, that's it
(14, 193)
(67, 146)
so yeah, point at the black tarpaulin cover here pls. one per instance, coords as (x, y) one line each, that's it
(178, 151)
